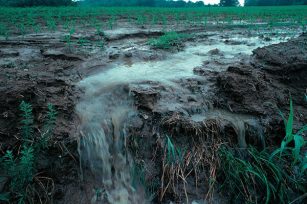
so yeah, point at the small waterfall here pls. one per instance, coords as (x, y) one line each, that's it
(102, 145)
(95, 152)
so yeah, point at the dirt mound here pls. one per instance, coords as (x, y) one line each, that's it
(287, 63)
(265, 85)
(287, 56)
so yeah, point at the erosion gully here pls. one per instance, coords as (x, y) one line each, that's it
(107, 103)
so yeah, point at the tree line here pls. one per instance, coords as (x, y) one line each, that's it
(181, 3)
(149, 3)
(29, 3)
(274, 2)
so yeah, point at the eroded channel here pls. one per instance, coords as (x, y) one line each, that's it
(108, 103)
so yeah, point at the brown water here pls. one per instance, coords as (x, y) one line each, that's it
(106, 104)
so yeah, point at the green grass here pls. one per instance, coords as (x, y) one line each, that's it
(138, 175)
(20, 171)
(27, 121)
(297, 138)
(51, 19)
(174, 155)
(258, 178)
(266, 176)
(168, 40)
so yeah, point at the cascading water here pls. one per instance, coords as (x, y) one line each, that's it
(106, 105)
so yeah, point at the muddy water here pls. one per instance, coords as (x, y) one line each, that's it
(106, 105)
(178, 65)
(237, 121)
(102, 142)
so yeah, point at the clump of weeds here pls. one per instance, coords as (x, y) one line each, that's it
(267, 176)
(19, 167)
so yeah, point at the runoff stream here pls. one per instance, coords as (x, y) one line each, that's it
(107, 103)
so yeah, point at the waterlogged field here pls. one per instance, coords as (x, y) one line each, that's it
(153, 105)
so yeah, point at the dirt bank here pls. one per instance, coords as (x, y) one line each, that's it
(226, 99)
(265, 85)
(29, 73)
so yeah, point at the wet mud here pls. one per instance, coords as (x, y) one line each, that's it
(118, 105)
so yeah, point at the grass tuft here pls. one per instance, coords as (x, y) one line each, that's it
(168, 40)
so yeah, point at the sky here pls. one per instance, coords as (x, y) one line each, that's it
(216, 1)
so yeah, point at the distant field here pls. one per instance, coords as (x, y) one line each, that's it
(28, 20)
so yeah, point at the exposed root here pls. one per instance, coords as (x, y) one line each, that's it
(179, 164)
(41, 191)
